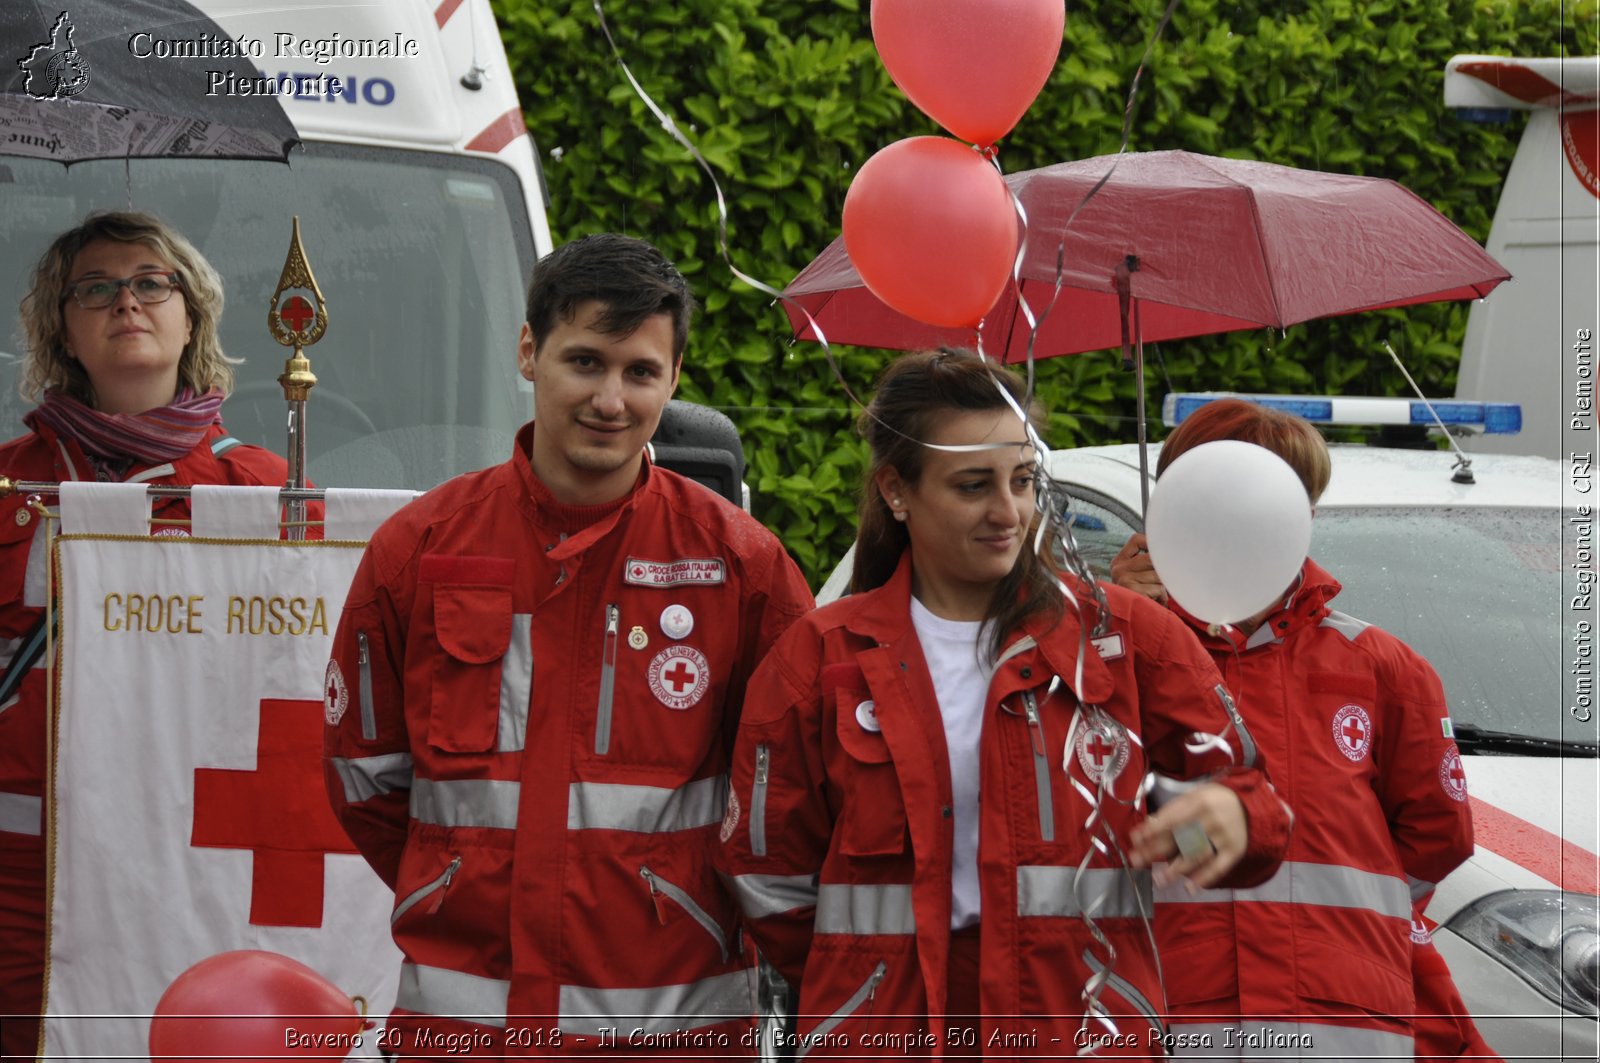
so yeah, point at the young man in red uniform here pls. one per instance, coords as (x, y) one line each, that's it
(533, 691)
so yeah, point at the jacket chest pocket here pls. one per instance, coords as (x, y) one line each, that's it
(473, 626)
(22, 560)
(1344, 712)
(872, 821)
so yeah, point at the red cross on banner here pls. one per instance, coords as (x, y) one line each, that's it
(279, 812)
(298, 313)
(681, 676)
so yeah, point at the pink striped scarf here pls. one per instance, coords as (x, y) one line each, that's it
(162, 434)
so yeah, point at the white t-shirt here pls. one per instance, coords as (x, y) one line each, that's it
(961, 671)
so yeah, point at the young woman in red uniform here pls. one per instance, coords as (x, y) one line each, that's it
(124, 360)
(934, 829)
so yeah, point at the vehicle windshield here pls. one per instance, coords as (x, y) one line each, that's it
(421, 257)
(1475, 590)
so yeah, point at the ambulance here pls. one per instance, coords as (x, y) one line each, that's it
(1532, 341)
(422, 211)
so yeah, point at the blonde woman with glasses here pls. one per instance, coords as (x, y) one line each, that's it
(124, 362)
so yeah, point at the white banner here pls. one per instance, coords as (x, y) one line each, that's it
(190, 816)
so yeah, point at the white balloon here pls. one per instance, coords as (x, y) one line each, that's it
(1229, 527)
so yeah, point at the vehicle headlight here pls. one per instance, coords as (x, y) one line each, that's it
(1549, 938)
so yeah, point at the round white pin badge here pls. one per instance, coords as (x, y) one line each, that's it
(676, 621)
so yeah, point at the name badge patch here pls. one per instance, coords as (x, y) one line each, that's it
(643, 572)
(1109, 647)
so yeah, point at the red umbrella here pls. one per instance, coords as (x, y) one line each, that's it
(1203, 244)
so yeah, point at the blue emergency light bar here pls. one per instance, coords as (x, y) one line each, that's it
(1493, 418)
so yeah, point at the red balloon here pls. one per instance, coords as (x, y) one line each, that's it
(973, 66)
(929, 226)
(248, 1006)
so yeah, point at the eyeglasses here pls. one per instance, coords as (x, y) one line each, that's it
(101, 292)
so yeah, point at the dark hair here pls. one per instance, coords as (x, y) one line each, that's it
(630, 277)
(1294, 439)
(914, 394)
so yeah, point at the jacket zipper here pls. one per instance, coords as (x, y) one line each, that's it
(758, 802)
(437, 888)
(860, 997)
(369, 717)
(608, 682)
(1041, 767)
(1247, 743)
(660, 887)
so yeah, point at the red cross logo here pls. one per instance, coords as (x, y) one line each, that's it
(681, 677)
(1099, 749)
(1452, 776)
(297, 312)
(279, 812)
(1352, 732)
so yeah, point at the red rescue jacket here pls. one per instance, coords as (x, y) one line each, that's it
(1356, 728)
(530, 709)
(839, 833)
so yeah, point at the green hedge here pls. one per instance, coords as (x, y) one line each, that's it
(787, 97)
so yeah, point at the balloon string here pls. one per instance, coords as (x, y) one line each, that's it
(677, 134)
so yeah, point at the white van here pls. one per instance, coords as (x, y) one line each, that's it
(422, 212)
(1532, 340)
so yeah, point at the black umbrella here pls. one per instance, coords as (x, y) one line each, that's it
(116, 79)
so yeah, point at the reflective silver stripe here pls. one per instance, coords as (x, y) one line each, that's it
(22, 814)
(369, 714)
(426, 890)
(1041, 769)
(367, 777)
(1022, 645)
(466, 802)
(1286, 1040)
(758, 801)
(819, 1033)
(1418, 888)
(657, 1009)
(762, 895)
(36, 575)
(1125, 989)
(608, 679)
(1247, 742)
(1345, 624)
(843, 909)
(453, 994)
(689, 905)
(151, 474)
(1328, 885)
(1046, 890)
(66, 456)
(516, 685)
(646, 809)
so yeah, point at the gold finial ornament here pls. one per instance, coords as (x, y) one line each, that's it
(294, 321)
